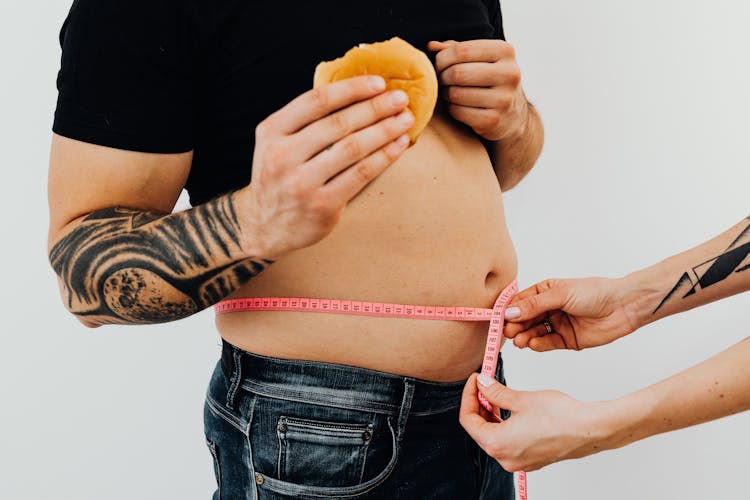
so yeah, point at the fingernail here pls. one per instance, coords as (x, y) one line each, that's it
(398, 97)
(406, 118)
(403, 140)
(512, 312)
(485, 380)
(377, 83)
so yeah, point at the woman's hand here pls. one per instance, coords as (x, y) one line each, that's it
(582, 313)
(481, 82)
(544, 427)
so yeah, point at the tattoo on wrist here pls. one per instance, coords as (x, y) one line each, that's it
(735, 259)
(128, 266)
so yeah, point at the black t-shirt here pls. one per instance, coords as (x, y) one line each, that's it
(169, 76)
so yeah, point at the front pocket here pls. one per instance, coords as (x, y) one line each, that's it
(318, 453)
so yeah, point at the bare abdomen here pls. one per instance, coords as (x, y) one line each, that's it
(430, 230)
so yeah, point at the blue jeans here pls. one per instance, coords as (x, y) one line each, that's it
(290, 429)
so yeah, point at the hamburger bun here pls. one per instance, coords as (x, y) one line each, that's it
(401, 65)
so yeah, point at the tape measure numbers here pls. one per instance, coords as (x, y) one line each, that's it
(495, 316)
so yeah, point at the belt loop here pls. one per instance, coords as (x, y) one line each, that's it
(403, 414)
(235, 379)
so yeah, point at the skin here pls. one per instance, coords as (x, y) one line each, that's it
(481, 83)
(366, 128)
(549, 426)
(332, 197)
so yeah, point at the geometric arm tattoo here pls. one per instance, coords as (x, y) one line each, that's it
(735, 259)
(130, 266)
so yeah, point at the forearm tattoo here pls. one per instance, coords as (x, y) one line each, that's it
(735, 259)
(128, 266)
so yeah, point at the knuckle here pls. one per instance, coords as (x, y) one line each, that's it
(491, 121)
(321, 206)
(504, 104)
(261, 130)
(454, 93)
(389, 154)
(320, 99)
(462, 52)
(458, 75)
(545, 285)
(515, 76)
(338, 123)
(363, 170)
(378, 107)
(352, 148)
(533, 303)
(393, 128)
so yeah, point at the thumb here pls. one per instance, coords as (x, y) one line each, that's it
(536, 305)
(496, 393)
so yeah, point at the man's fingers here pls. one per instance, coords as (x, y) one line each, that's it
(317, 103)
(472, 74)
(344, 186)
(481, 120)
(436, 46)
(357, 146)
(473, 97)
(337, 128)
(472, 51)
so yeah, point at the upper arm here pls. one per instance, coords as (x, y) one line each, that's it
(123, 123)
(84, 178)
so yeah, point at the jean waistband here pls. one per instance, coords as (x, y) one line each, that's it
(336, 385)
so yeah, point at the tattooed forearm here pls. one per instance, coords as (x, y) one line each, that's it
(735, 259)
(128, 266)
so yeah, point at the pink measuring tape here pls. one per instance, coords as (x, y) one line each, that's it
(496, 317)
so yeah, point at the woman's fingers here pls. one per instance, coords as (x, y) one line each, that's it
(530, 306)
(547, 343)
(469, 415)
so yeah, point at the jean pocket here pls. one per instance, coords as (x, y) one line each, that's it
(320, 453)
(302, 451)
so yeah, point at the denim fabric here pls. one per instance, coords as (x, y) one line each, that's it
(289, 429)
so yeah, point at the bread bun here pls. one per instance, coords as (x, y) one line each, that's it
(401, 65)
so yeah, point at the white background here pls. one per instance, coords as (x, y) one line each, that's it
(646, 107)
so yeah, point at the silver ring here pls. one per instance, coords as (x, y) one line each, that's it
(548, 326)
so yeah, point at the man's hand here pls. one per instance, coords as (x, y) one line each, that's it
(481, 81)
(544, 427)
(314, 155)
(582, 313)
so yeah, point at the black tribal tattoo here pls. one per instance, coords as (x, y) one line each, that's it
(735, 259)
(128, 266)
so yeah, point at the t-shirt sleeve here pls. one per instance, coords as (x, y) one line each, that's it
(125, 79)
(496, 18)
